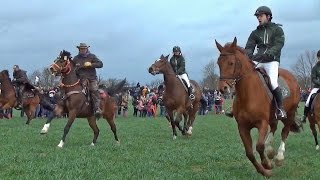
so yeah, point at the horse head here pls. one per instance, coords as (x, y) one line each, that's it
(4, 75)
(233, 64)
(62, 64)
(159, 66)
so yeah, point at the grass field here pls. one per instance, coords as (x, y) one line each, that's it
(147, 151)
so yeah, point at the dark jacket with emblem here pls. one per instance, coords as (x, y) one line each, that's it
(87, 72)
(315, 75)
(178, 64)
(269, 39)
(20, 77)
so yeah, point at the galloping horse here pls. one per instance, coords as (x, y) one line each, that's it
(252, 107)
(30, 99)
(76, 102)
(176, 98)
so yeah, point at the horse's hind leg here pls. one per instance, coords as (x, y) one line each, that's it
(177, 122)
(247, 142)
(29, 114)
(314, 132)
(268, 143)
(192, 117)
(263, 130)
(93, 124)
(113, 127)
(46, 126)
(71, 117)
(284, 135)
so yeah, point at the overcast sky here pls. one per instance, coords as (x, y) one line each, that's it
(128, 35)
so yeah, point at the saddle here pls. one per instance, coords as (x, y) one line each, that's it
(267, 83)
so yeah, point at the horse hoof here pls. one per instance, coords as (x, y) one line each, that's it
(117, 143)
(267, 173)
(317, 147)
(270, 153)
(92, 144)
(267, 165)
(174, 137)
(60, 145)
(43, 132)
(279, 162)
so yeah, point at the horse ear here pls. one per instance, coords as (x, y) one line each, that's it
(218, 45)
(161, 56)
(167, 56)
(234, 43)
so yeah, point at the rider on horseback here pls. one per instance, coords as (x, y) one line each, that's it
(269, 40)
(315, 77)
(20, 80)
(177, 62)
(87, 63)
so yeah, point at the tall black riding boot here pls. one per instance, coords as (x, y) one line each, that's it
(281, 113)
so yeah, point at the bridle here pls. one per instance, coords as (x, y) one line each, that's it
(64, 70)
(236, 76)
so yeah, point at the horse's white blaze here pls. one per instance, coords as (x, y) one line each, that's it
(317, 147)
(61, 144)
(281, 150)
(45, 128)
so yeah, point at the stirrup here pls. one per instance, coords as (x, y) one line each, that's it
(191, 96)
(281, 114)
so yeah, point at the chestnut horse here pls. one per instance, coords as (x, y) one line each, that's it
(8, 99)
(253, 108)
(175, 97)
(76, 102)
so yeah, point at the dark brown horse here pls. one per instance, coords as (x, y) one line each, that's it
(253, 108)
(30, 99)
(314, 118)
(176, 98)
(76, 103)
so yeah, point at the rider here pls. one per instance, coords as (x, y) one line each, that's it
(178, 64)
(20, 79)
(315, 77)
(87, 64)
(269, 40)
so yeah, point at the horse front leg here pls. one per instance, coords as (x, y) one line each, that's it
(174, 131)
(260, 147)
(247, 142)
(71, 118)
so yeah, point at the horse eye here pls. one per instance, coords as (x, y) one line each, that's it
(230, 63)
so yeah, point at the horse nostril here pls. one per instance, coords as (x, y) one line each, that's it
(225, 88)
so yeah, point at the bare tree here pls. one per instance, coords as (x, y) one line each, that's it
(210, 78)
(302, 68)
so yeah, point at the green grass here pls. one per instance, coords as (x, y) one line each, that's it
(147, 151)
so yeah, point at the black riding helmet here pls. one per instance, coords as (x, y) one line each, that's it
(176, 49)
(263, 10)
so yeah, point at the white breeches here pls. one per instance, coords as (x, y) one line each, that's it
(272, 69)
(314, 90)
(185, 77)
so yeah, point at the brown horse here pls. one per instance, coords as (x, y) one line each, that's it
(30, 99)
(314, 118)
(76, 102)
(176, 98)
(252, 107)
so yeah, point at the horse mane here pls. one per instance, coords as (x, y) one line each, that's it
(230, 49)
(6, 72)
